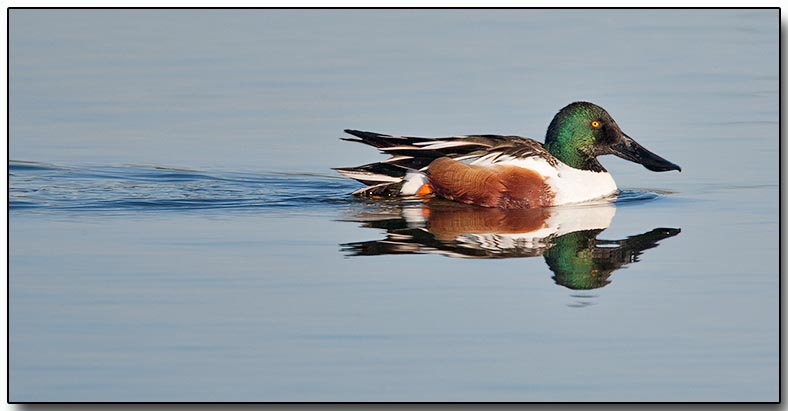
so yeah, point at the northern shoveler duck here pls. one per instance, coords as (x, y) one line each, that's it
(505, 171)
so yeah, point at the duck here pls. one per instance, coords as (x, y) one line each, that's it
(505, 171)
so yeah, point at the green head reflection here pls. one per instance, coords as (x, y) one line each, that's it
(582, 262)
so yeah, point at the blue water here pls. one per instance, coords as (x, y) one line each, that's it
(176, 233)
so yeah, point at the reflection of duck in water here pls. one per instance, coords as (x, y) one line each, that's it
(565, 236)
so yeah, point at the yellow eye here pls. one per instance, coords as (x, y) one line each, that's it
(595, 124)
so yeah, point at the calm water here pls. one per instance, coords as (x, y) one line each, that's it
(176, 233)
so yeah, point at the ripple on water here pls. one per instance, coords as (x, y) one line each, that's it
(639, 195)
(39, 186)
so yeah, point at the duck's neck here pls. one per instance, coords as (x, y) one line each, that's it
(573, 157)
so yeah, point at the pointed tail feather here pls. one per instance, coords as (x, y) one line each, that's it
(374, 173)
(382, 140)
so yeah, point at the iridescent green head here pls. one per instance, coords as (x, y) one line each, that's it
(582, 131)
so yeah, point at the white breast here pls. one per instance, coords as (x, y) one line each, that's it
(571, 185)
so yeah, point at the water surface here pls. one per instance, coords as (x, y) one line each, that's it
(176, 233)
